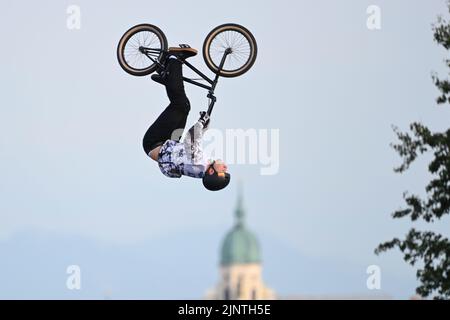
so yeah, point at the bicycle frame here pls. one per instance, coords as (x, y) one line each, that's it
(212, 82)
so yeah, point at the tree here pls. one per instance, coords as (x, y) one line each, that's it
(427, 250)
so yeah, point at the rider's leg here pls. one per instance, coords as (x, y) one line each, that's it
(173, 119)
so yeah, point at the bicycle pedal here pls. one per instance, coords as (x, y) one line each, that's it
(183, 45)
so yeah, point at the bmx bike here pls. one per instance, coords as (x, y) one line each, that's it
(229, 50)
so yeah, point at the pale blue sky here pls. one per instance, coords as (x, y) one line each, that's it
(75, 180)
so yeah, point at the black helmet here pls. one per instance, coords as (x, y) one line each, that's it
(214, 182)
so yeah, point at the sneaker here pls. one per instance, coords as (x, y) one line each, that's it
(161, 79)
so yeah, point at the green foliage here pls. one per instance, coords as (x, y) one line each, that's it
(429, 251)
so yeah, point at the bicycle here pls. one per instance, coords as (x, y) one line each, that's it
(229, 50)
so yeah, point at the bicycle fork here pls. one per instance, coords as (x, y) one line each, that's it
(216, 79)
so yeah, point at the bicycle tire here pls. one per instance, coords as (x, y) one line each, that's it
(215, 34)
(145, 27)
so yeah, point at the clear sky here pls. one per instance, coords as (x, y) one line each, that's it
(77, 188)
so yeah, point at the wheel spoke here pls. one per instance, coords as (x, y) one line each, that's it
(241, 42)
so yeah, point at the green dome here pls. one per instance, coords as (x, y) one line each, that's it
(240, 245)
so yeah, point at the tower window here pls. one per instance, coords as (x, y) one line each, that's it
(239, 287)
(254, 294)
(226, 294)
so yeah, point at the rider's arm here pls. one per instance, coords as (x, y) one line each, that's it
(193, 143)
(195, 165)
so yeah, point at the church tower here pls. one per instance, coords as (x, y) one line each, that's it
(240, 264)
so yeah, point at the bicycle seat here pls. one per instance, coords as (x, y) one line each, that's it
(184, 51)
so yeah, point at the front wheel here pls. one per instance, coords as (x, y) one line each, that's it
(239, 41)
(136, 44)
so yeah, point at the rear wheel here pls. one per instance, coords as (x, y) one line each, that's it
(239, 41)
(129, 50)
